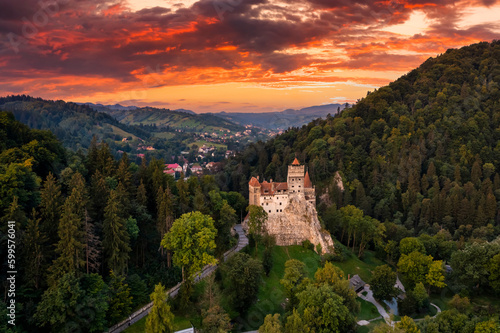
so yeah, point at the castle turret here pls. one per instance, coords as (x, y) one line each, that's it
(254, 192)
(296, 177)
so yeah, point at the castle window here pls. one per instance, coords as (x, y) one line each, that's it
(281, 210)
(269, 210)
(267, 204)
(280, 203)
(277, 211)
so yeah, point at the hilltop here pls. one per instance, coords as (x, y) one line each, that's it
(284, 119)
(422, 152)
(72, 123)
(184, 120)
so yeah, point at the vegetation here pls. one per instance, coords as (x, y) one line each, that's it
(407, 177)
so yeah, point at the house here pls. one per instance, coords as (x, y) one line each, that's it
(169, 172)
(196, 168)
(356, 283)
(176, 167)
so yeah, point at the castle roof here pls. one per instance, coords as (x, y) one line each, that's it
(307, 181)
(271, 188)
(254, 182)
(295, 161)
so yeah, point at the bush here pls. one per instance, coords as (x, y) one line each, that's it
(267, 261)
(307, 245)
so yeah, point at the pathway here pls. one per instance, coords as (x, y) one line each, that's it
(207, 270)
(369, 298)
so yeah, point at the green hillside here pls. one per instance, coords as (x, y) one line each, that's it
(423, 151)
(73, 124)
(173, 120)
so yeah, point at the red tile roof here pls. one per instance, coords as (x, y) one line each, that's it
(272, 188)
(307, 181)
(254, 182)
(296, 162)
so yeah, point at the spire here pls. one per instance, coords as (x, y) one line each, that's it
(307, 181)
(296, 161)
(254, 182)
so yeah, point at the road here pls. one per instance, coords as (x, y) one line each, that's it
(369, 298)
(207, 270)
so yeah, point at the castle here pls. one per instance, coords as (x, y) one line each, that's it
(274, 197)
(291, 209)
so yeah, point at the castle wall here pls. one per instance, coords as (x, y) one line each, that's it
(274, 204)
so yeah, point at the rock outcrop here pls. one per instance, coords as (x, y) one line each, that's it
(298, 222)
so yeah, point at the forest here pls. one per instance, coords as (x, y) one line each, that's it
(418, 162)
(407, 181)
(88, 228)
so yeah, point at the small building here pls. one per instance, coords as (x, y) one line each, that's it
(176, 167)
(356, 283)
(196, 168)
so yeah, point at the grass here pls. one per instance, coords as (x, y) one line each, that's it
(271, 297)
(353, 265)
(122, 133)
(368, 328)
(164, 135)
(200, 144)
(368, 310)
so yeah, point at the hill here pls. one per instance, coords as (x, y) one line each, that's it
(72, 123)
(282, 120)
(422, 152)
(184, 120)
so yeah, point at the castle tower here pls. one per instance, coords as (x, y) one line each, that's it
(254, 192)
(296, 177)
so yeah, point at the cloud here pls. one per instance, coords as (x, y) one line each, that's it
(251, 41)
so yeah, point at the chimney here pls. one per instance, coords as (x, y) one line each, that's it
(257, 177)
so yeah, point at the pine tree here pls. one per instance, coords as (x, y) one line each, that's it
(199, 201)
(70, 246)
(33, 251)
(182, 189)
(50, 209)
(120, 301)
(99, 196)
(123, 174)
(141, 196)
(92, 246)
(116, 239)
(160, 318)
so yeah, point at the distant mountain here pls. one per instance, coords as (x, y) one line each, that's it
(74, 124)
(284, 119)
(102, 107)
(185, 120)
(112, 107)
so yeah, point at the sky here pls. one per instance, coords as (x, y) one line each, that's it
(227, 55)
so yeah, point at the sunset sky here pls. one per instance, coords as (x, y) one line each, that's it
(226, 55)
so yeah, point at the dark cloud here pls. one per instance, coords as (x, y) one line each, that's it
(247, 38)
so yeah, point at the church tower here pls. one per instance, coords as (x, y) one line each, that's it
(296, 177)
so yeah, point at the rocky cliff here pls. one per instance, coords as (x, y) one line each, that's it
(298, 222)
